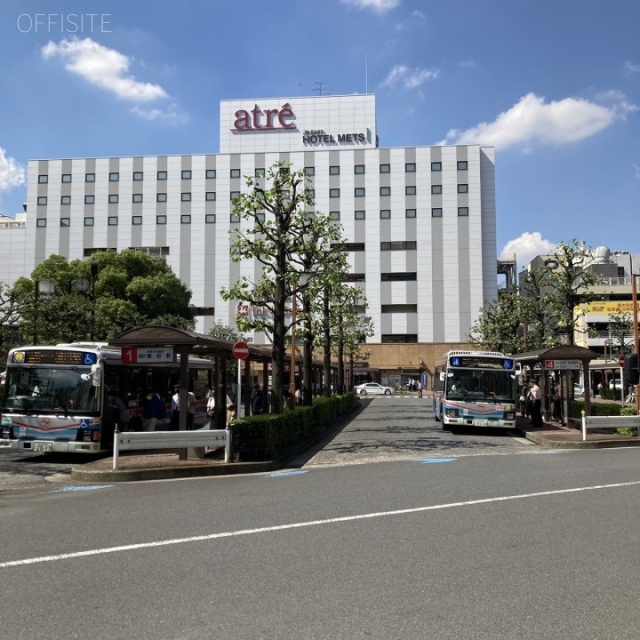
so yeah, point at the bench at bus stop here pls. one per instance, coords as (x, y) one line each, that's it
(146, 440)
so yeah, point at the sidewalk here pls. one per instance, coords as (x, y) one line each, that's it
(167, 465)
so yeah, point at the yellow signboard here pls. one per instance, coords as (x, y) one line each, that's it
(606, 307)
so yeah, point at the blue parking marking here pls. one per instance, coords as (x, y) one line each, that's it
(72, 489)
(281, 474)
(435, 460)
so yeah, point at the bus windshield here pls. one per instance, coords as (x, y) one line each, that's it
(479, 386)
(36, 389)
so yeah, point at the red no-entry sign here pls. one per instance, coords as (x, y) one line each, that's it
(241, 350)
(621, 361)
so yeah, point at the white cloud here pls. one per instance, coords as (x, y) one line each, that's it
(410, 78)
(532, 121)
(526, 247)
(11, 172)
(631, 67)
(169, 114)
(379, 6)
(103, 67)
(636, 169)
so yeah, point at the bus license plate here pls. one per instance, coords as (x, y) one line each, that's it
(43, 447)
(481, 423)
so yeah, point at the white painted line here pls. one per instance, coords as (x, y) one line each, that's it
(301, 525)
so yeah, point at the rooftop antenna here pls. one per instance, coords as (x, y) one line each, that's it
(318, 88)
(366, 73)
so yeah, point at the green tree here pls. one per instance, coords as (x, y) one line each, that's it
(224, 332)
(285, 236)
(9, 322)
(100, 298)
(621, 332)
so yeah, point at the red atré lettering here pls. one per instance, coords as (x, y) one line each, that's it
(257, 119)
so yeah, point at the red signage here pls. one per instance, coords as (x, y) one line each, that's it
(621, 361)
(257, 119)
(129, 355)
(241, 350)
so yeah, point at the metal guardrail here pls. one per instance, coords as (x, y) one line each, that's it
(140, 440)
(609, 422)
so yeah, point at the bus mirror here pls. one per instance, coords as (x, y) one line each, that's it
(96, 375)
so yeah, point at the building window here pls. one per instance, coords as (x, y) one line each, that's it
(43, 179)
(136, 220)
(334, 170)
(399, 338)
(463, 188)
(259, 172)
(186, 174)
(89, 199)
(310, 171)
(260, 216)
(436, 166)
(161, 197)
(137, 176)
(210, 218)
(41, 222)
(310, 192)
(402, 276)
(436, 189)
(185, 197)
(185, 218)
(410, 167)
(210, 196)
(334, 215)
(161, 219)
(88, 222)
(210, 174)
(410, 213)
(234, 173)
(137, 197)
(334, 193)
(114, 177)
(398, 308)
(463, 212)
(234, 218)
(436, 212)
(112, 221)
(385, 214)
(359, 215)
(42, 200)
(463, 165)
(113, 198)
(358, 192)
(355, 277)
(65, 222)
(66, 177)
(385, 191)
(385, 168)
(410, 191)
(349, 246)
(399, 245)
(65, 200)
(236, 194)
(286, 194)
(358, 169)
(162, 175)
(89, 177)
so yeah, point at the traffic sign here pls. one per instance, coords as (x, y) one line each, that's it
(621, 361)
(241, 350)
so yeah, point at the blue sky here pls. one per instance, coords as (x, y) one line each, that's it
(554, 85)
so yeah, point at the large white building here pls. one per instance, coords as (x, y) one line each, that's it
(420, 221)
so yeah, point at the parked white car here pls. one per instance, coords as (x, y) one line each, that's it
(373, 388)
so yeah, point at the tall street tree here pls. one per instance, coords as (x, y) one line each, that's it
(291, 244)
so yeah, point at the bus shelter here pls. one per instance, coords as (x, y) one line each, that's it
(189, 343)
(553, 366)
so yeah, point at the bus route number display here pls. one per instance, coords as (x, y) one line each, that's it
(55, 356)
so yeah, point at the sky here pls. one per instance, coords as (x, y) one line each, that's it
(553, 85)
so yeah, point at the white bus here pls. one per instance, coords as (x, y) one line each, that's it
(475, 389)
(61, 398)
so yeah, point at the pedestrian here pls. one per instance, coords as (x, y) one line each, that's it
(120, 411)
(535, 393)
(211, 408)
(419, 389)
(231, 407)
(257, 401)
(152, 411)
(600, 389)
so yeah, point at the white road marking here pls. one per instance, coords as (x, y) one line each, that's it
(300, 525)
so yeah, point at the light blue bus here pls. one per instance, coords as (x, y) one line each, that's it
(475, 389)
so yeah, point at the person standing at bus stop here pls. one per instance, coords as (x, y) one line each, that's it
(536, 408)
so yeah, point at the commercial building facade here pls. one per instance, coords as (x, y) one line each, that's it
(420, 222)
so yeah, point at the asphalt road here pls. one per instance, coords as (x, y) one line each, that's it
(448, 541)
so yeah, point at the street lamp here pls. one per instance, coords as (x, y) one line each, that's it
(94, 276)
(41, 287)
(292, 365)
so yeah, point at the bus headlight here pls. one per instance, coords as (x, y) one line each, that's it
(509, 415)
(6, 432)
(451, 413)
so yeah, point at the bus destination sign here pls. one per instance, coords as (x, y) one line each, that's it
(476, 362)
(55, 356)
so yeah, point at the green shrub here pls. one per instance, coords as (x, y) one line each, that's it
(272, 436)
